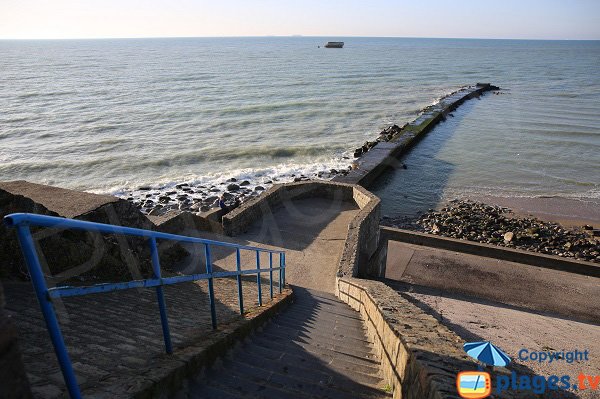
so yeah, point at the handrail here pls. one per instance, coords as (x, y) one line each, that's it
(22, 222)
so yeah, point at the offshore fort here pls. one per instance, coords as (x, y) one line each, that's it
(355, 318)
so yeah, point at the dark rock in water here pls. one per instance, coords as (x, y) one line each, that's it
(228, 195)
(333, 171)
(181, 185)
(245, 183)
(145, 188)
(214, 190)
(233, 179)
(269, 182)
(404, 166)
(358, 152)
(588, 227)
(259, 188)
(297, 179)
(164, 198)
(233, 187)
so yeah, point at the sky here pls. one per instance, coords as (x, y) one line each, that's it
(507, 19)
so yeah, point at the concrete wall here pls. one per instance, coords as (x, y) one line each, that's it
(515, 284)
(362, 240)
(490, 251)
(420, 357)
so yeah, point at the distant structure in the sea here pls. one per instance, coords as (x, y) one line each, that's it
(334, 45)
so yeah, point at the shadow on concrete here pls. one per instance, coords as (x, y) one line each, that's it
(405, 288)
(316, 348)
(298, 223)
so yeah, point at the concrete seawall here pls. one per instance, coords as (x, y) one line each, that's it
(385, 154)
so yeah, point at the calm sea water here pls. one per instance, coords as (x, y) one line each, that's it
(113, 115)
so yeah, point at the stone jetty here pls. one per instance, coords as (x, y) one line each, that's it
(376, 156)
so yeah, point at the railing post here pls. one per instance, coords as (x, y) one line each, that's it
(271, 274)
(211, 291)
(160, 296)
(239, 280)
(258, 278)
(41, 291)
(283, 255)
(280, 273)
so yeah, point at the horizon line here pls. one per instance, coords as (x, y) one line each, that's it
(282, 36)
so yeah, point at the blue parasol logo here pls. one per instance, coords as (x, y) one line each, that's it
(487, 353)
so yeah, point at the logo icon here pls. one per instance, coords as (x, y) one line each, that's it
(474, 384)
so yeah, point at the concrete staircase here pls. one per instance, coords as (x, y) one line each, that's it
(317, 348)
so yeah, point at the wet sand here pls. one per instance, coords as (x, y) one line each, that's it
(566, 211)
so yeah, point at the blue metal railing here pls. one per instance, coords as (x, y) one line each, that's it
(45, 295)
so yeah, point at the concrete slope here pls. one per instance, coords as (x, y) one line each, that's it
(317, 348)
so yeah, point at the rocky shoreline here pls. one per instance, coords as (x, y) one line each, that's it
(197, 198)
(491, 224)
(201, 197)
(192, 197)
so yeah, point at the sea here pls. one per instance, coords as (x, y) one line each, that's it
(114, 115)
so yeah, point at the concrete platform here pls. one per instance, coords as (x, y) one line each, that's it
(524, 286)
(313, 232)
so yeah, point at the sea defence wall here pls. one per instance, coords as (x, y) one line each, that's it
(376, 157)
(489, 251)
(72, 254)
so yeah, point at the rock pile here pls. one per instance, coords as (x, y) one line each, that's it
(490, 224)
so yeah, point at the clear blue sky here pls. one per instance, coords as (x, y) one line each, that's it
(520, 19)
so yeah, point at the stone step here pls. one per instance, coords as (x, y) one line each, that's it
(205, 391)
(310, 364)
(317, 348)
(324, 319)
(317, 330)
(277, 351)
(327, 312)
(327, 388)
(315, 343)
(242, 386)
(328, 359)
